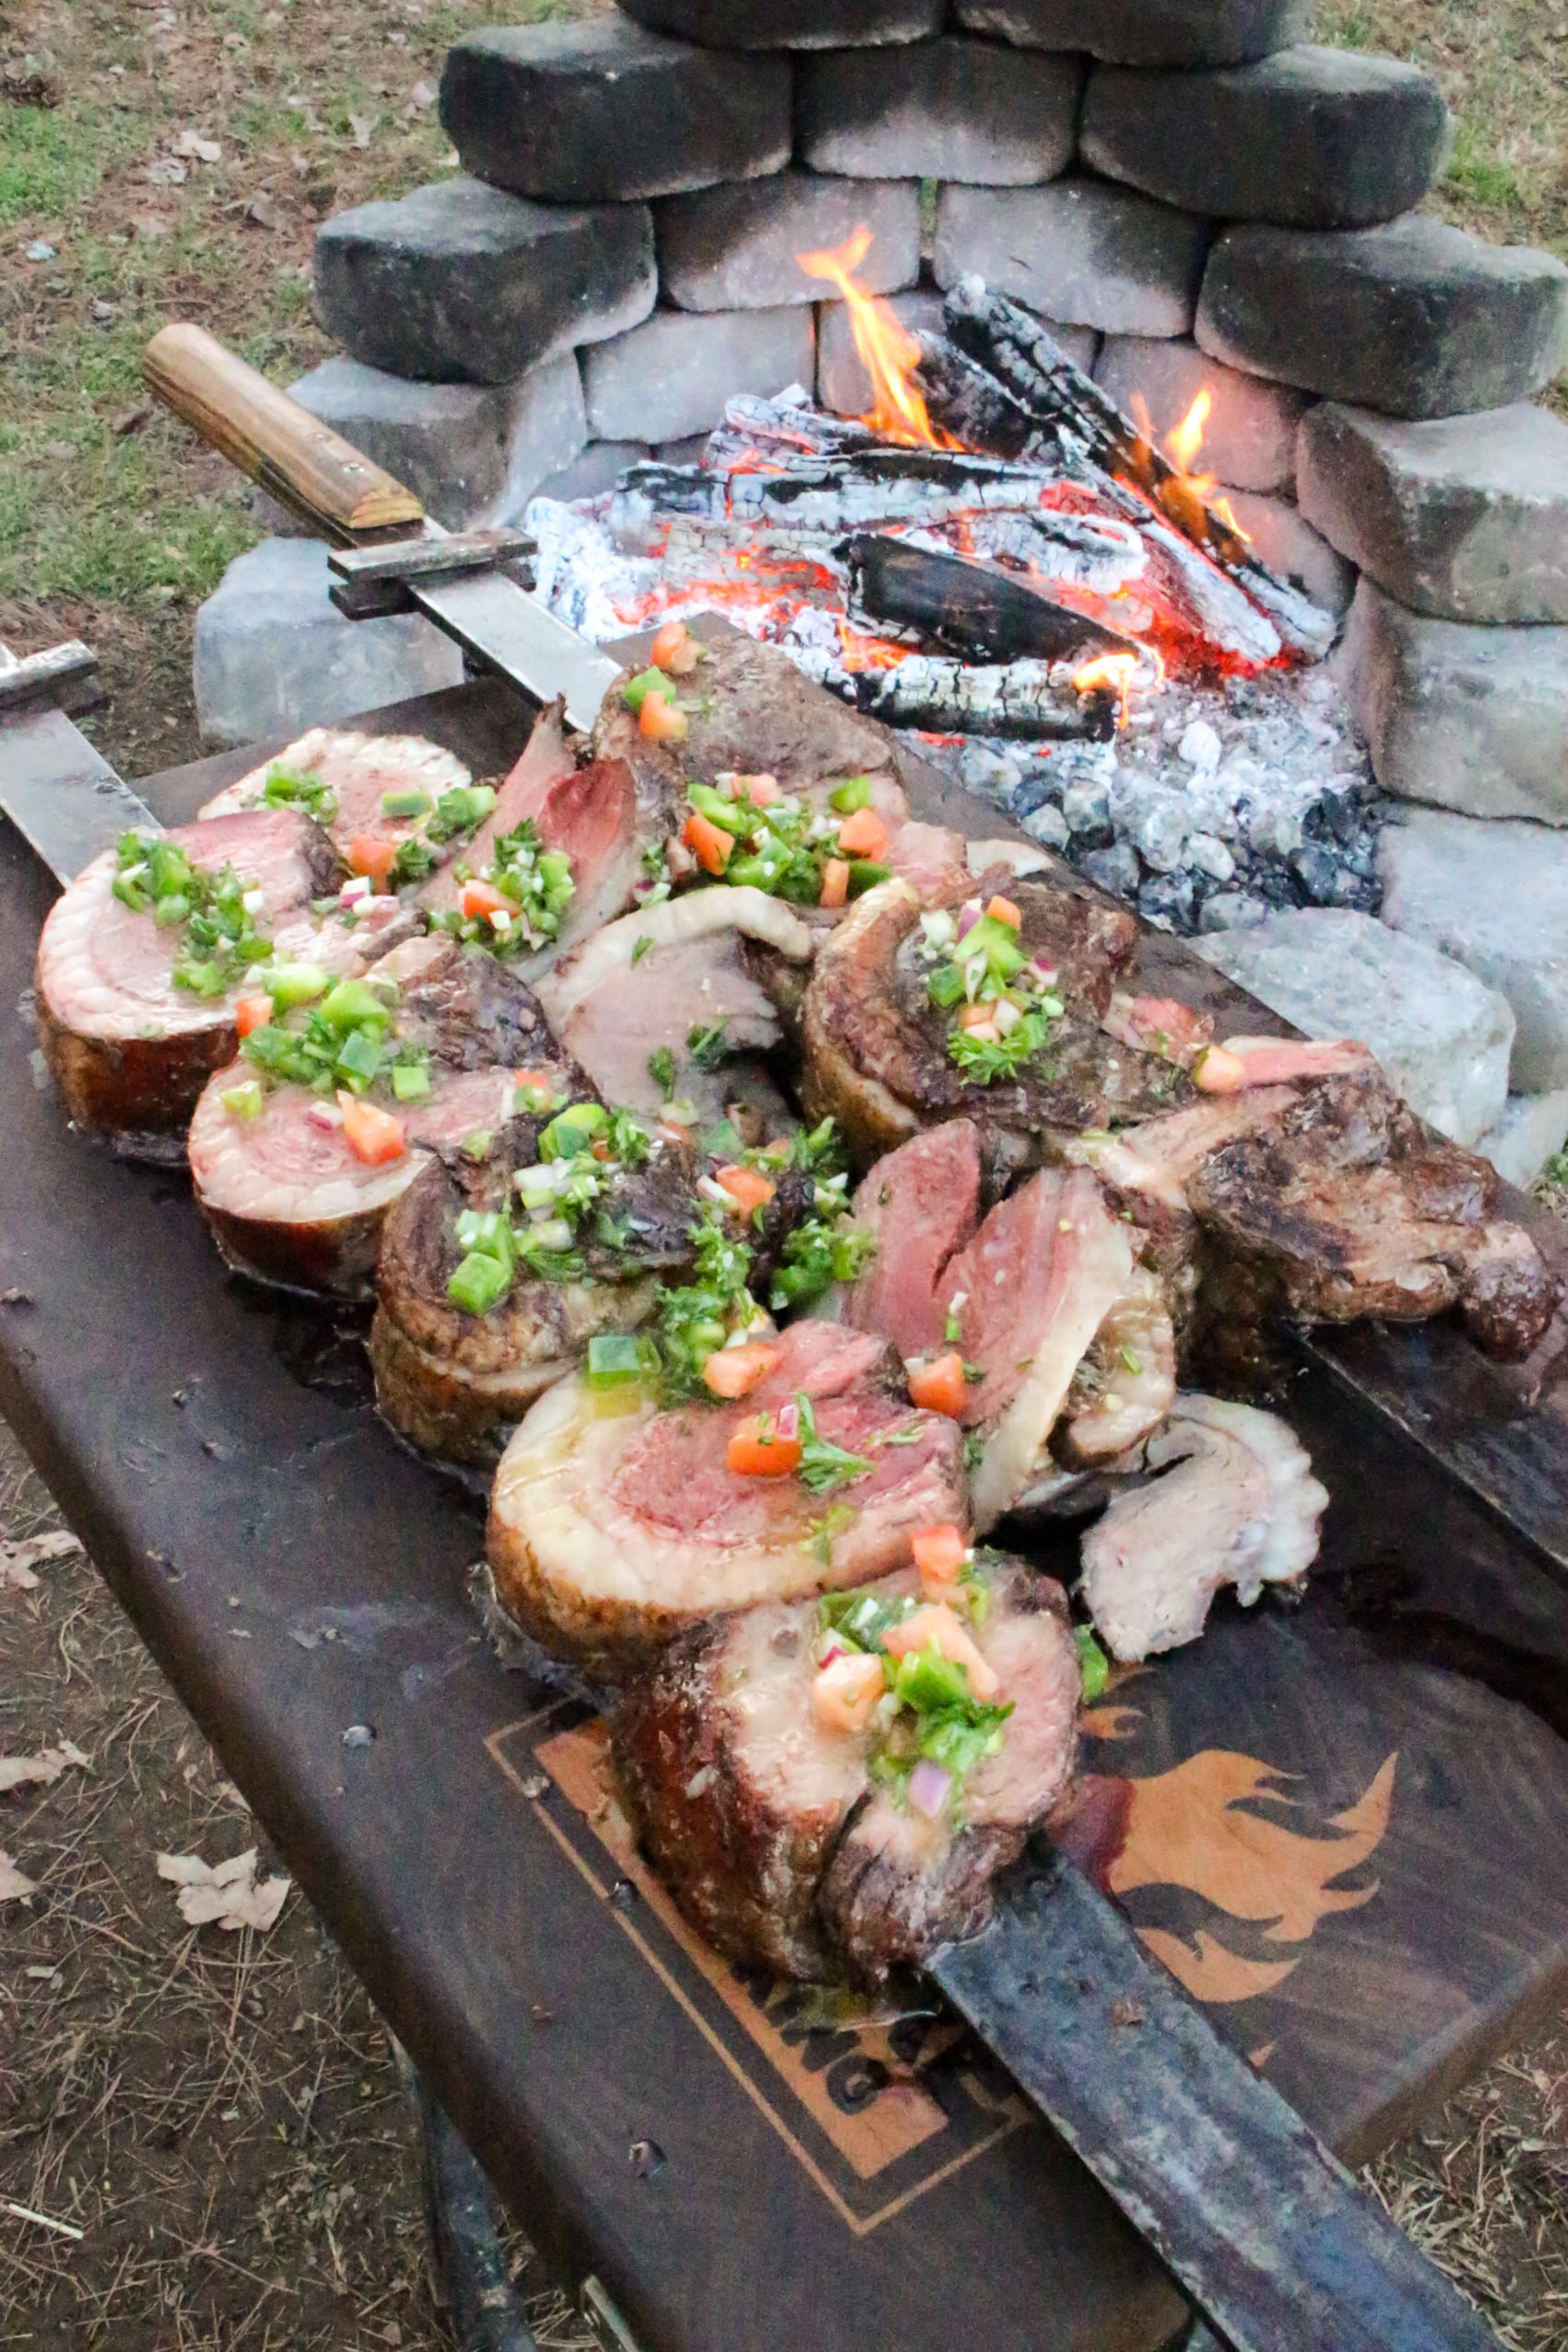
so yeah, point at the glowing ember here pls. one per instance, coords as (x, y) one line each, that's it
(888, 352)
(1119, 672)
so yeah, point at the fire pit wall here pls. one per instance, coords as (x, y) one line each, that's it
(1198, 199)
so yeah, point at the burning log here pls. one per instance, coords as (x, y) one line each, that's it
(981, 614)
(1021, 702)
(1031, 375)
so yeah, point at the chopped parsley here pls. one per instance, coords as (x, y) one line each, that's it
(1093, 1663)
(661, 1069)
(214, 911)
(823, 1465)
(1003, 1001)
(708, 1046)
(695, 1318)
(291, 788)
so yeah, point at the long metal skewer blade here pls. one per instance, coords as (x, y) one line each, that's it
(1263, 2227)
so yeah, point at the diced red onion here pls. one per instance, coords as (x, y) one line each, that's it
(929, 1785)
(1043, 965)
(968, 916)
(325, 1115)
(788, 1423)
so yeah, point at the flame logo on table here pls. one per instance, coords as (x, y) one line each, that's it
(1197, 1827)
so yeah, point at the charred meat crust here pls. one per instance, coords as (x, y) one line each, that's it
(443, 1409)
(755, 711)
(470, 1012)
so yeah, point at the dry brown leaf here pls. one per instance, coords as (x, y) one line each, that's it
(201, 149)
(266, 212)
(18, 1560)
(13, 1885)
(20, 1771)
(224, 1894)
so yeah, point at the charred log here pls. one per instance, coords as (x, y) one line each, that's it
(1018, 702)
(979, 613)
(1000, 339)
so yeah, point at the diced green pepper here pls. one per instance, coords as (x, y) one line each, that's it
(945, 986)
(853, 794)
(1093, 1664)
(636, 691)
(350, 1002)
(572, 1130)
(359, 1059)
(293, 984)
(410, 1082)
(478, 1282)
(864, 875)
(618, 1360)
(242, 1101)
(406, 804)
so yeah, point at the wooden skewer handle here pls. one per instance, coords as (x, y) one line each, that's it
(313, 470)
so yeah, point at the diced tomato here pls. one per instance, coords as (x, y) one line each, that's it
(252, 1012)
(372, 1134)
(757, 1451)
(938, 1386)
(1219, 1072)
(940, 1553)
(598, 1148)
(673, 1131)
(976, 1016)
(835, 883)
(760, 790)
(675, 649)
(747, 1187)
(370, 854)
(480, 898)
(1003, 910)
(845, 1691)
(536, 1082)
(709, 842)
(936, 1623)
(735, 1372)
(863, 835)
(662, 721)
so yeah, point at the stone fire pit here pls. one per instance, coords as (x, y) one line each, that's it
(1195, 201)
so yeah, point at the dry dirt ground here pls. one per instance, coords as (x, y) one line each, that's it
(217, 2113)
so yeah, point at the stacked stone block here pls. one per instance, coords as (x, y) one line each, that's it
(1198, 197)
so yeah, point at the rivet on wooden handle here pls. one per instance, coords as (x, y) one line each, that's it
(323, 478)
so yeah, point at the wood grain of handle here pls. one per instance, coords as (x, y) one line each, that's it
(324, 478)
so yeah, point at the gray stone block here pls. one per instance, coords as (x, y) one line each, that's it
(1415, 318)
(790, 24)
(548, 429)
(1532, 1130)
(1313, 138)
(601, 112)
(593, 470)
(1145, 33)
(1249, 437)
(1495, 896)
(687, 451)
(1078, 250)
(951, 109)
(672, 376)
(462, 283)
(273, 655)
(1286, 542)
(1460, 717)
(734, 248)
(1463, 517)
(1443, 1038)
(842, 382)
(447, 442)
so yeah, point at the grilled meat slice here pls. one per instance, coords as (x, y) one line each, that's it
(1029, 1292)
(1347, 1204)
(456, 1383)
(1238, 1504)
(1146, 1168)
(672, 979)
(876, 1046)
(359, 771)
(609, 1536)
(767, 1826)
(132, 1051)
(899, 1886)
(1126, 1384)
(288, 1200)
(922, 1205)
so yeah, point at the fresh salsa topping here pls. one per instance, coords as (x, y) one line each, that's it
(458, 814)
(334, 1037)
(296, 788)
(909, 1673)
(560, 1202)
(1093, 1664)
(745, 830)
(215, 912)
(1003, 1001)
(517, 903)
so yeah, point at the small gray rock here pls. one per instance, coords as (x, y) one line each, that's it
(1047, 826)
(1232, 911)
(735, 247)
(463, 284)
(1312, 138)
(1291, 549)
(1145, 33)
(447, 442)
(1442, 1036)
(273, 655)
(1086, 804)
(790, 24)
(593, 470)
(548, 429)
(1463, 517)
(1078, 250)
(1249, 437)
(951, 109)
(1415, 318)
(1210, 855)
(1495, 896)
(1532, 1130)
(1465, 718)
(1114, 869)
(672, 375)
(601, 112)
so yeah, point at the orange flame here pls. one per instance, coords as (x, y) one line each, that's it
(1121, 673)
(1182, 443)
(1184, 440)
(888, 352)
